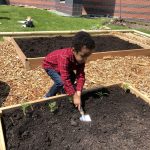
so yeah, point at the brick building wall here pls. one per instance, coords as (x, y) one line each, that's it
(130, 9)
(72, 7)
(64, 6)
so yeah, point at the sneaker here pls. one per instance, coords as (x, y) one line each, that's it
(58, 93)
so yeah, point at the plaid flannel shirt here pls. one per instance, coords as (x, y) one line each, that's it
(63, 61)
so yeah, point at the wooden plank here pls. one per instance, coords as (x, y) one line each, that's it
(19, 52)
(39, 36)
(141, 33)
(68, 33)
(35, 62)
(2, 141)
(53, 97)
(136, 92)
(135, 52)
(63, 35)
(58, 32)
(35, 101)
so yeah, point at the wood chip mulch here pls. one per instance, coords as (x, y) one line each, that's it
(18, 85)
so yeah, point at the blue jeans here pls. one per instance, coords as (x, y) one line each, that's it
(58, 83)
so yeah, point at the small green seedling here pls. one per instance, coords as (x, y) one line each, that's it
(52, 106)
(101, 94)
(126, 87)
(24, 107)
(96, 26)
(70, 99)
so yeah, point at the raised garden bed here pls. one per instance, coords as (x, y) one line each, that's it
(120, 120)
(41, 46)
(33, 49)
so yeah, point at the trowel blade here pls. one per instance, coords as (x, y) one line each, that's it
(85, 118)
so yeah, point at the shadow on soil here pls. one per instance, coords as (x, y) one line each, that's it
(4, 91)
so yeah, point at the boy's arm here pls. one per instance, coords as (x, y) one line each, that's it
(80, 77)
(65, 76)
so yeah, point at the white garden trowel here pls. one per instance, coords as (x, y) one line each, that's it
(85, 118)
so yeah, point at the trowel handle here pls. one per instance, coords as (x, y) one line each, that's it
(81, 111)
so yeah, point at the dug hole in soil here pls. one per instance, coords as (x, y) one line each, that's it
(120, 121)
(41, 46)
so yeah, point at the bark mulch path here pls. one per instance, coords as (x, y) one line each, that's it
(18, 85)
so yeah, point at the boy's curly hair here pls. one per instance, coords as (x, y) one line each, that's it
(82, 39)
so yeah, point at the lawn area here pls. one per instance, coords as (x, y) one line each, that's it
(47, 21)
(43, 20)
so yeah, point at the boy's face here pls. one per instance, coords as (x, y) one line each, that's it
(82, 55)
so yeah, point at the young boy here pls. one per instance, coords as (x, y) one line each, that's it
(61, 64)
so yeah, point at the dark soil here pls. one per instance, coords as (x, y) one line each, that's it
(120, 121)
(41, 46)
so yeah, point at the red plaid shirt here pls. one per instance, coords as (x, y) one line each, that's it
(63, 61)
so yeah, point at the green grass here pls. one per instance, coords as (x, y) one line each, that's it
(1, 38)
(47, 21)
(43, 20)
(144, 30)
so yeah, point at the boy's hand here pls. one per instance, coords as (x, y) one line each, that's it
(77, 99)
